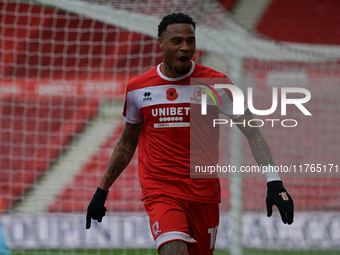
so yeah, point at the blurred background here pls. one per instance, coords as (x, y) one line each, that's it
(64, 66)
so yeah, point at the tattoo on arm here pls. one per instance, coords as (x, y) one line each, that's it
(122, 154)
(260, 148)
(257, 142)
(174, 248)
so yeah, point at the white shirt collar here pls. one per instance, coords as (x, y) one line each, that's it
(177, 78)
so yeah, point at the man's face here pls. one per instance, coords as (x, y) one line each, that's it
(178, 45)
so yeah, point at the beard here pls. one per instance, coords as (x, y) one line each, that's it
(182, 71)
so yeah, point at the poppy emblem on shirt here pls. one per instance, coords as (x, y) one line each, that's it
(171, 94)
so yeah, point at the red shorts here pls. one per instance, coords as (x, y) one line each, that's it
(176, 219)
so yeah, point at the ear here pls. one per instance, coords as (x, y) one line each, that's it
(160, 42)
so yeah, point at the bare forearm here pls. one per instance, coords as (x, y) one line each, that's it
(121, 156)
(258, 144)
(260, 148)
(119, 160)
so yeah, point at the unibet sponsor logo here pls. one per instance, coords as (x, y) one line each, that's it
(170, 111)
(168, 116)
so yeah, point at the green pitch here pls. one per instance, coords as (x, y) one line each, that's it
(154, 252)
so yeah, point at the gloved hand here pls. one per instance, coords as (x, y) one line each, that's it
(96, 209)
(278, 195)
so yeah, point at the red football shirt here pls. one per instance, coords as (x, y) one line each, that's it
(163, 104)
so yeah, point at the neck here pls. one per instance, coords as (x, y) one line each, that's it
(169, 72)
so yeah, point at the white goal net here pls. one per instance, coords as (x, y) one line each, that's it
(63, 69)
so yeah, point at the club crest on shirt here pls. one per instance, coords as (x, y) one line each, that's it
(284, 196)
(155, 229)
(197, 97)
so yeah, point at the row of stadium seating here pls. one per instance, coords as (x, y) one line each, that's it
(33, 133)
(284, 20)
(63, 45)
(303, 21)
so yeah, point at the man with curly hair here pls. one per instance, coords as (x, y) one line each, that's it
(183, 211)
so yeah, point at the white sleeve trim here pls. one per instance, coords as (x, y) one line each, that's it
(131, 121)
(172, 236)
(227, 105)
(237, 116)
(271, 173)
(132, 112)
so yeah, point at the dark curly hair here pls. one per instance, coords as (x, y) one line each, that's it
(174, 18)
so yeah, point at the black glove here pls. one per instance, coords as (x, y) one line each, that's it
(96, 209)
(278, 195)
